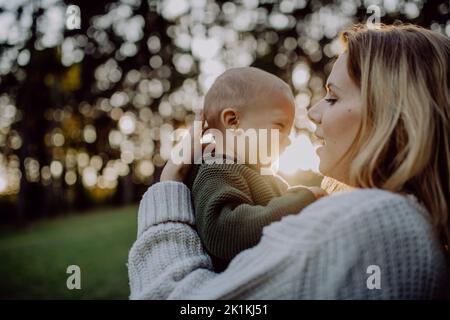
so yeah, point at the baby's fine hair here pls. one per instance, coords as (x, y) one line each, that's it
(239, 88)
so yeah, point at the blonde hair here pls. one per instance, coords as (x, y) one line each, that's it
(403, 144)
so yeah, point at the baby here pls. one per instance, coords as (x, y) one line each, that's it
(233, 201)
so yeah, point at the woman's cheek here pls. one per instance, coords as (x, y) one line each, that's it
(340, 127)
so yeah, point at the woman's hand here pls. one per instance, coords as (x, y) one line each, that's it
(178, 171)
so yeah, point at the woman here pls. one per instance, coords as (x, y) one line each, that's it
(385, 129)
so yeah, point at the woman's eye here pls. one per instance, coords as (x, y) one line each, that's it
(331, 100)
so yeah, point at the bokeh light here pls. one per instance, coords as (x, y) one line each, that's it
(90, 112)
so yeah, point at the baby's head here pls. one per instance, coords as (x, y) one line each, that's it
(250, 98)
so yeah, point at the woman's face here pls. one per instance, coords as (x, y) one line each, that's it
(337, 116)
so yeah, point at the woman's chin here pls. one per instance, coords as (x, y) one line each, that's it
(319, 151)
(322, 167)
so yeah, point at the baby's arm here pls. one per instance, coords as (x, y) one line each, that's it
(227, 220)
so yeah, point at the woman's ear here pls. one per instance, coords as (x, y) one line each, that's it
(229, 118)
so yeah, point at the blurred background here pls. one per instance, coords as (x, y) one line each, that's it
(90, 92)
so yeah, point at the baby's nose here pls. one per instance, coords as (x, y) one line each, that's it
(285, 143)
(289, 141)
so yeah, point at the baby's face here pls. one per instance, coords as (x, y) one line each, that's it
(271, 111)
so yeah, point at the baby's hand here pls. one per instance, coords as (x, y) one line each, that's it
(318, 192)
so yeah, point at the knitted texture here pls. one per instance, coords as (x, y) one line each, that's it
(323, 253)
(234, 202)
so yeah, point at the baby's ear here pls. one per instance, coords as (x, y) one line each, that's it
(229, 118)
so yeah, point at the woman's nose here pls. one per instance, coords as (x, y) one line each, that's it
(314, 113)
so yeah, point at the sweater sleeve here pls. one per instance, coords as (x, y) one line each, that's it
(168, 261)
(228, 221)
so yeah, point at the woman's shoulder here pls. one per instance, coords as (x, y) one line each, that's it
(360, 228)
(352, 214)
(369, 204)
(363, 199)
(342, 235)
(381, 208)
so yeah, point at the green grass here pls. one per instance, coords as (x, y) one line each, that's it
(34, 260)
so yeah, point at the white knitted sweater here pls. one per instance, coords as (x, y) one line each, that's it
(328, 251)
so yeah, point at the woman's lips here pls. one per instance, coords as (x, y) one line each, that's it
(320, 144)
(320, 139)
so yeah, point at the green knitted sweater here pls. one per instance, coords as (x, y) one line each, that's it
(234, 202)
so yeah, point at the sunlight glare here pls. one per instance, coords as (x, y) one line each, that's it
(300, 155)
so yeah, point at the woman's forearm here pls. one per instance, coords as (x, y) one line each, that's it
(165, 240)
(167, 261)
